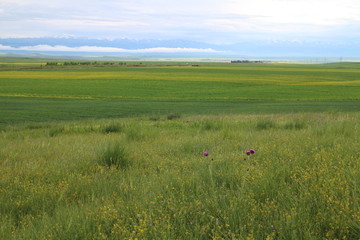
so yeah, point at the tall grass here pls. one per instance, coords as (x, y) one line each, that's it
(114, 155)
(302, 182)
(112, 128)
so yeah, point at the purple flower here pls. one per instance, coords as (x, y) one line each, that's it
(252, 151)
(206, 154)
(248, 153)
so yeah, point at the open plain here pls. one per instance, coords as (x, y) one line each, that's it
(116, 150)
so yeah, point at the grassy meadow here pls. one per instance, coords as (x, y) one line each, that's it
(145, 178)
(117, 151)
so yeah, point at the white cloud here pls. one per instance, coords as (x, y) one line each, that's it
(92, 23)
(318, 12)
(202, 20)
(265, 26)
(107, 49)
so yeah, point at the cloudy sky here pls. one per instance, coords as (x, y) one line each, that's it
(210, 21)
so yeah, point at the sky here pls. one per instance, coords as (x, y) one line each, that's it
(209, 21)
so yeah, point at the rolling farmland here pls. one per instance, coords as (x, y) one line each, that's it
(179, 151)
(143, 89)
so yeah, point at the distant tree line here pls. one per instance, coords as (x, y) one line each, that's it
(84, 63)
(245, 61)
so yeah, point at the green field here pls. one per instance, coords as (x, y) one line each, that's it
(110, 151)
(148, 178)
(31, 92)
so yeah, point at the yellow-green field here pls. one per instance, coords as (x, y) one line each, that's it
(148, 179)
(40, 92)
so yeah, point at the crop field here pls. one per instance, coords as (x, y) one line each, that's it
(161, 150)
(41, 93)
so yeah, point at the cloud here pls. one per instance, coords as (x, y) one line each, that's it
(265, 25)
(88, 22)
(210, 21)
(296, 11)
(48, 48)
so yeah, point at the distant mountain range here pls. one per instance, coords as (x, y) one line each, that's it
(150, 48)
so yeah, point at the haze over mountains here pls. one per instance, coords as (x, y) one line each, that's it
(156, 48)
